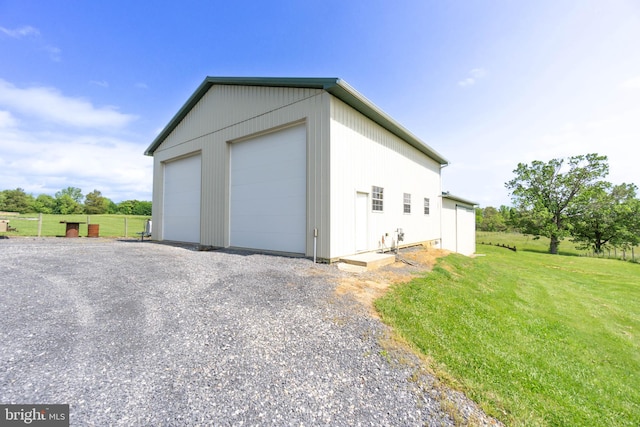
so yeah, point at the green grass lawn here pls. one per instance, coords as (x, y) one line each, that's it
(110, 225)
(535, 339)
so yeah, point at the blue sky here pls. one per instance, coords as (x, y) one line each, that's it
(86, 86)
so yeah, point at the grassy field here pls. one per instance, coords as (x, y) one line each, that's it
(110, 225)
(535, 339)
(528, 243)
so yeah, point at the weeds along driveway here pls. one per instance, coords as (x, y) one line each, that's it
(132, 333)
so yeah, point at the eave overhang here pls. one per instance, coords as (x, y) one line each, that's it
(335, 86)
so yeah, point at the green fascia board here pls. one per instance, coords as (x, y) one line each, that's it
(335, 86)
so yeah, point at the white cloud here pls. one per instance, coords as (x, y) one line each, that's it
(474, 75)
(141, 85)
(633, 83)
(466, 82)
(20, 32)
(46, 162)
(54, 53)
(80, 146)
(50, 105)
(7, 120)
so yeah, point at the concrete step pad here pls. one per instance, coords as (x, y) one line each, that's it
(370, 260)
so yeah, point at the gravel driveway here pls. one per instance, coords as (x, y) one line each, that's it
(132, 333)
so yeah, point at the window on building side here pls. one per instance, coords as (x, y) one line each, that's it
(426, 206)
(377, 198)
(407, 203)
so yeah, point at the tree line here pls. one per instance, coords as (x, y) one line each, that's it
(568, 198)
(68, 201)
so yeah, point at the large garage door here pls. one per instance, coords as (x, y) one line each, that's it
(181, 210)
(268, 191)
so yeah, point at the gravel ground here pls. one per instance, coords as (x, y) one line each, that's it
(140, 333)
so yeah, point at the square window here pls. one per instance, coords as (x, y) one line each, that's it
(377, 198)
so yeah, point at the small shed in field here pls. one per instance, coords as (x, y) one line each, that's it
(296, 165)
(458, 224)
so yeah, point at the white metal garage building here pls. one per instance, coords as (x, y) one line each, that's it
(458, 224)
(292, 165)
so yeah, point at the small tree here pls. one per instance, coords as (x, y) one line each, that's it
(492, 220)
(44, 203)
(16, 201)
(142, 208)
(73, 192)
(544, 193)
(95, 204)
(66, 205)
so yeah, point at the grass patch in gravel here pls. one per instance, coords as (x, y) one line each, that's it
(535, 339)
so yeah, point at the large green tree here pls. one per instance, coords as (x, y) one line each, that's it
(606, 216)
(546, 192)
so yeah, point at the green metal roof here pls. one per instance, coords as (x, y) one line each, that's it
(335, 86)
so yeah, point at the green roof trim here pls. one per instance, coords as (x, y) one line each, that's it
(447, 195)
(335, 86)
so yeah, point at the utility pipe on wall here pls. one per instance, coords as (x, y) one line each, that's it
(315, 244)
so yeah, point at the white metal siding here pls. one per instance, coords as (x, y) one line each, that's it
(268, 191)
(458, 227)
(182, 200)
(362, 222)
(363, 154)
(449, 238)
(465, 230)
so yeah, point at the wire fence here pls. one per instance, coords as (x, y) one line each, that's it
(50, 225)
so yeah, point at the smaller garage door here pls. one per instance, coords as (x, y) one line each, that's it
(181, 207)
(268, 191)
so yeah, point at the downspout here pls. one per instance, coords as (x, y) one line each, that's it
(315, 244)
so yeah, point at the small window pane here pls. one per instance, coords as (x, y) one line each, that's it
(377, 197)
(407, 203)
(426, 206)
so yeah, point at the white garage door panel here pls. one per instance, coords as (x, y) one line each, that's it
(181, 216)
(268, 191)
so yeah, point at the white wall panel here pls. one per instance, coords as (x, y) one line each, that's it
(458, 227)
(465, 230)
(363, 154)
